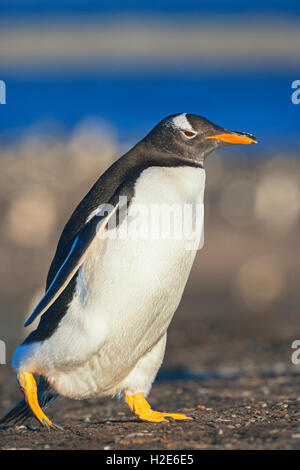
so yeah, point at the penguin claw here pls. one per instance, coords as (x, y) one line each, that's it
(192, 415)
(53, 426)
(57, 427)
(169, 418)
(46, 424)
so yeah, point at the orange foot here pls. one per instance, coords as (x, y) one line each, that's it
(139, 405)
(29, 388)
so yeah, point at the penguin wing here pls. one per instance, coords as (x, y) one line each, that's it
(72, 262)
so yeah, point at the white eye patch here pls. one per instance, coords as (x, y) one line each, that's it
(182, 123)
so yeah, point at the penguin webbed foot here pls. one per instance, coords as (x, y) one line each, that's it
(139, 405)
(29, 388)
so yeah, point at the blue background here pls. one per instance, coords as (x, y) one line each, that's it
(258, 102)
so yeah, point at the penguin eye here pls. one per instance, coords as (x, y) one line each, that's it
(190, 134)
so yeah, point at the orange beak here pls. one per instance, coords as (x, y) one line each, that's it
(245, 139)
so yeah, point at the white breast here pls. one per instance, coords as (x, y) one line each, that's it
(127, 292)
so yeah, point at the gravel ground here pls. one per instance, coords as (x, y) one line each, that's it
(233, 371)
(245, 413)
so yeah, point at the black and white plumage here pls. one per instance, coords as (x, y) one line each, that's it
(109, 302)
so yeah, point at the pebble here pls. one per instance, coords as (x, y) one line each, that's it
(16, 448)
(212, 424)
(274, 431)
(134, 434)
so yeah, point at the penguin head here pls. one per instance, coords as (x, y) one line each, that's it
(192, 137)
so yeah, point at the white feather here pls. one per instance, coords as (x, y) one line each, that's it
(182, 122)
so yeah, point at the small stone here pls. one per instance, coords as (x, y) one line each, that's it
(134, 434)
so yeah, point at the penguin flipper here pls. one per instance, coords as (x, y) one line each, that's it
(72, 263)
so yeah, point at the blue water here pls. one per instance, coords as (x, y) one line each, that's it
(258, 104)
(23, 7)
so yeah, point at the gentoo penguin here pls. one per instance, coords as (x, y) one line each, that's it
(111, 296)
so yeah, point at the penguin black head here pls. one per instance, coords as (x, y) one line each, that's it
(192, 137)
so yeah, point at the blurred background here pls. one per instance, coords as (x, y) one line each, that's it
(85, 80)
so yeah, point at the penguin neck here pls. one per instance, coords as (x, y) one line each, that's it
(164, 170)
(141, 160)
(144, 156)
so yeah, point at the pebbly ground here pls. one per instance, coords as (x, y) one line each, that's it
(232, 370)
(245, 413)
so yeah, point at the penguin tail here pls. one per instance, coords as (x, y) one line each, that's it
(21, 412)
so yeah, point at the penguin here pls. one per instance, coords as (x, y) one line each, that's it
(110, 295)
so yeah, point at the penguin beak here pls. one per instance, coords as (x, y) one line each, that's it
(234, 138)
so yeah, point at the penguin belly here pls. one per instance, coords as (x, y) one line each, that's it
(126, 294)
